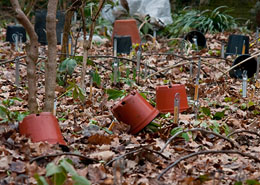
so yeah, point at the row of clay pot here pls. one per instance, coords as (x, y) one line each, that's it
(133, 110)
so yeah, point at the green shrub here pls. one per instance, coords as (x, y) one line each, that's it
(188, 19)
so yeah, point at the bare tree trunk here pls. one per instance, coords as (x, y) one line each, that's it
(87, 43)
(32, 55)
(51, 64)
(67, 26)
(66, 32)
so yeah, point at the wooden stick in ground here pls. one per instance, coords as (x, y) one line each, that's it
(207, 152)
(201, 130)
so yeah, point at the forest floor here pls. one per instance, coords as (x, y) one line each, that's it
(222, 148)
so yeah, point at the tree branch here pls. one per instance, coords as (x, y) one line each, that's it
(240, 131)
(201, 130)
(32, 55)
(207, 152)
(66, 153)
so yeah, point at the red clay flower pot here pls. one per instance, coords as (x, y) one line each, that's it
(127, 27)
(42, 127)
(165, 98)
(135, 111)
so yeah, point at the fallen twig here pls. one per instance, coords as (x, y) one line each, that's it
(157, 152)
(207, 152)
(122, 156)
(170, 67)
(201, 130)
(240, 131)
(135, 151)
(66, 153)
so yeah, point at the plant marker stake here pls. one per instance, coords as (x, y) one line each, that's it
(244, 84)
(196, 94)
(195, 42)
(61, 41)
(70, 46)
(54, 107)
(15, 38)
(182, 46)
(17, 73)
(75, 18)
(138, 65)
(111, 126)
(222, 53)
(257, 68)
(244, 47)
(91, 84)
(154, 36)
(145, 69)
(115, 71)
(115, 47)
(257, 35)
(191, 72)
(176, 108)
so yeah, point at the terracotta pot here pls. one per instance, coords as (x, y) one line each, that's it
(127, 27)
(165, 98)
(42, 127)
(135, 111)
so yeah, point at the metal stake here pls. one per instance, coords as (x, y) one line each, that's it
(138, 65)
(222, 50)
(145, 69)
(16, 40)
(244, 84)
(257, 35)
(54, 107)
(195, 42)
(191, 72)
(91, 85)
(176, 108)
(17, 72)
(115, 71)
(115, 47)
(196, 94)
(257, 68)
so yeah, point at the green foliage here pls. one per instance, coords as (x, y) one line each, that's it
(213, 125)
(96, 78)
(58, 174)
(146, 27)
(152, 127)
(127, 79)
(188, 19)
(114, 94)
(183, 135)
(65, 69)
(11, 116)
(206, 112)
(77, 91)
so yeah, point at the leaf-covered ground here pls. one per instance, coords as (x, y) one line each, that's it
(122, 158)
